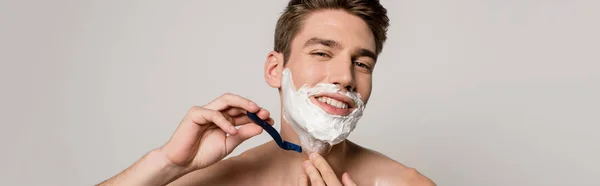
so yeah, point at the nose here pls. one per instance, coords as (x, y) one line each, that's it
(341, 74)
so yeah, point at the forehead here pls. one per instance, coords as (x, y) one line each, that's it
(338, 25)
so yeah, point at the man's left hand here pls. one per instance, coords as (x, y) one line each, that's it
(320, 173)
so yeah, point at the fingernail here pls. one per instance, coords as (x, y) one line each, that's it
(306, 163)
(251, 103)
(313, 155)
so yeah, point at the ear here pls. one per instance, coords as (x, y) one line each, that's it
(273, 69)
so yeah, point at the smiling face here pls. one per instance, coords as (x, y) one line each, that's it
(327, 78)
(334, 47)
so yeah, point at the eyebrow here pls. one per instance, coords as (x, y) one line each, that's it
(326, 42)
(364, 52)
(334, 44)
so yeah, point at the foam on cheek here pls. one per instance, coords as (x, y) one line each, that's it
(317, 129)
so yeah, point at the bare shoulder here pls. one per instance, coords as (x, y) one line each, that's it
(231, 171)
(383, 170)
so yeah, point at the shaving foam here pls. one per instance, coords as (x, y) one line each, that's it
(318, 130)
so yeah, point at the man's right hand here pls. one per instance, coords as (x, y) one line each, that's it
(205, 136)
(201, 138)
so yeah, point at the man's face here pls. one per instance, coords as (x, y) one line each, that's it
(338, 48)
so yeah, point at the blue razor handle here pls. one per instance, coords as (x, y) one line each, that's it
(283, 144)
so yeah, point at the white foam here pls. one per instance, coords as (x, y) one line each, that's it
(317, 129)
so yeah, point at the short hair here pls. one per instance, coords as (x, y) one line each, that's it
(291, 21)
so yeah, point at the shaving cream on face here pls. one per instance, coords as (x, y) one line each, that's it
(318, 130)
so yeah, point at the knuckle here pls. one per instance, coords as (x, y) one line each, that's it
(328, 173)
(196, 114)
(195, 110)
(224, 97)
(228, 95)
(412, 172)
(308, 170)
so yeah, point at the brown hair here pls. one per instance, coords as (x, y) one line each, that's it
(290, 22)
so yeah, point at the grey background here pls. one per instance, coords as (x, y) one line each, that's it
(496, 92)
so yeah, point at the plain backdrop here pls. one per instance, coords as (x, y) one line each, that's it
(493, 92)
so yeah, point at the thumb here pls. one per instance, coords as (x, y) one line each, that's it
(347, 181)
(245, 132)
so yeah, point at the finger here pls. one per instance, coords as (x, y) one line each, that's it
(263, 114)
(205, 116)
(244, 120)
(313, 174)
(231, 100)
(347, 181)
(245, 132)
(241, 120)
(234, 111)
(326, 172)
(270, 121)
(302, 181)
(239, 116)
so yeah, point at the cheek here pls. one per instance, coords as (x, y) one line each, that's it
(305, 72)
(365, 95)
(314, 75)
(364, 87)
(305, 75)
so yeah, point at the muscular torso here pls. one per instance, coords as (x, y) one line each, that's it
(269, 165)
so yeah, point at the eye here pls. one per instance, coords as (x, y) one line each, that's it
(320, 54)
(362, 65)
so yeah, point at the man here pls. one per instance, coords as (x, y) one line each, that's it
(330, 42)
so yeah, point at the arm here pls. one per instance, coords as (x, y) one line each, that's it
(153, 168)
(199, 141)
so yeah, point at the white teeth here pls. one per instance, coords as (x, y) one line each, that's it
(333, 102)
(339, 104)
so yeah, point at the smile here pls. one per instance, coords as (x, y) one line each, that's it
(334, 104)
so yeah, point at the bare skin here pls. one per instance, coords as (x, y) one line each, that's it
(259, 166)
(333, 47)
